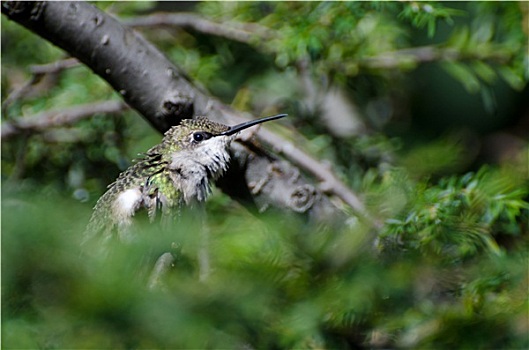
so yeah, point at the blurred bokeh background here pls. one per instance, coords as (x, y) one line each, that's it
(420, 107)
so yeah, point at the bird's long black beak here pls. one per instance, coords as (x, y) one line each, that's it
(236, 128)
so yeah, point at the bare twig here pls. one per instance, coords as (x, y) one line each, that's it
(329, 182)
(55, 67)
(20, 93)
(426, 54)
(61, 117)
(38, 72)
(160, 270)
(234, 31)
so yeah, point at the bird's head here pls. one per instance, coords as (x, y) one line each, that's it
(201, 133)
(203, 141)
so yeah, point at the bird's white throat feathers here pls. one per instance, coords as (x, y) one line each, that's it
(191, 170)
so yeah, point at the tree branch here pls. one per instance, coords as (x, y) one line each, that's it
(61, 117)
(55, 67)
(426, 54)
(244, 33)
(251, 33)
(37, 73)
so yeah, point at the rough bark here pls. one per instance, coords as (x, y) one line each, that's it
(164, 95)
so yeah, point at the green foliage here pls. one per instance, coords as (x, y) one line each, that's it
(458, 218)
(447, 267)
(340, 38)
(329, 34)
(277, 282)
(442, 156)
(426, 14)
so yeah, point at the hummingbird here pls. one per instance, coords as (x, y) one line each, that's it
(175, 173)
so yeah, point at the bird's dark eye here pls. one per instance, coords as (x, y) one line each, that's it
(201, 136)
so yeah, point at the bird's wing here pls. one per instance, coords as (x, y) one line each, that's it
(132, 190)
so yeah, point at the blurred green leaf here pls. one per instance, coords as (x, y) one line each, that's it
(464, 75)
(512, 78)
